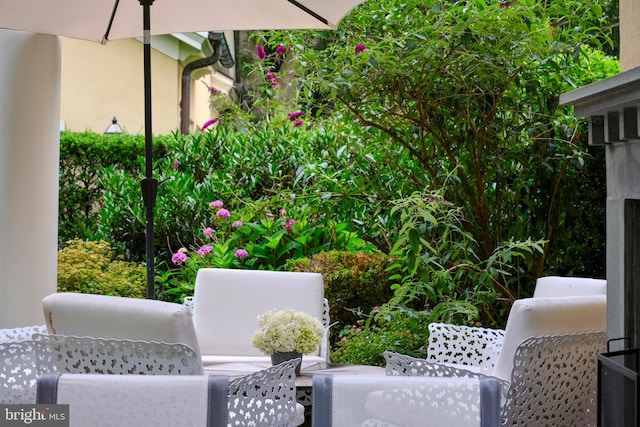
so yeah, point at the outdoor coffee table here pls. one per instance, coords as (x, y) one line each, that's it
(303, 381)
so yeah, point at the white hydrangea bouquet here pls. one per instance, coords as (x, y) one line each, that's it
(287, 331)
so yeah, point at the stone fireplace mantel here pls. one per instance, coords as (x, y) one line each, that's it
(612, 105)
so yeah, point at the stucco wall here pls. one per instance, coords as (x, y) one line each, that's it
(629, 34)
(100, 82)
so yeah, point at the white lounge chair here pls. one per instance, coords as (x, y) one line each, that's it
(227, 302)
(264, 398)
(547, 362)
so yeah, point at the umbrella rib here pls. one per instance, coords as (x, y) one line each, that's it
(105, 38)
(309, 11)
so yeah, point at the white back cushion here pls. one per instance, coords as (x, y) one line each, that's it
(559, 286)
(101, 316)
(99, 400)
(533, 317)
(227, 303)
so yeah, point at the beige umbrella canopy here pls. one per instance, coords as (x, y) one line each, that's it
(103, 20)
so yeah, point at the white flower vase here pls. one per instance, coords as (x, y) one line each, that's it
(282, 356)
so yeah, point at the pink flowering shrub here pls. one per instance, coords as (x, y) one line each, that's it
(254, 236)
(275, 84)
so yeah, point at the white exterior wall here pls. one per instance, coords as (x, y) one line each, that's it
(629, 34)
(29, 159)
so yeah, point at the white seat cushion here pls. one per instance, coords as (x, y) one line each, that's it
(137, 400)
(381, 401)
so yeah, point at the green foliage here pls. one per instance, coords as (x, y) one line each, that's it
(355, 282)
(82, 156)
(363, 343)
(207, 169)
(94, 267)
(441, 270)
(469, 92)
(584, 227)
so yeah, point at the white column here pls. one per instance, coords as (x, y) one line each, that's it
(29, 162)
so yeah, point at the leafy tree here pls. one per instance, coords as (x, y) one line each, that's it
(469, 90)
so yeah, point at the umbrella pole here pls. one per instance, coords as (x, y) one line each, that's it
(149, 184)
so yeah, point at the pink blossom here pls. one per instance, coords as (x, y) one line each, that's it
(212, 90)
(176, 164)
(343, 339)
(236, 224)
(242, 254)
(360, 48)
(260, 52)
(222, 213)
(298, 123)
(207, 231)
(293, 116)
(289, 224)
(178, 258)
(358, 330)
(280, 50)
(282, 212)
(205, 250)
(216, 204)
(209, 123)
(376, 308)
(273, 80)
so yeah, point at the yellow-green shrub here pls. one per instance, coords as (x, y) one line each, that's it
(93, 267)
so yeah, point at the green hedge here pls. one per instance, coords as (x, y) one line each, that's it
(82, 157)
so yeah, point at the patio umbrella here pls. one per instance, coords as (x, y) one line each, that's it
(102, 20)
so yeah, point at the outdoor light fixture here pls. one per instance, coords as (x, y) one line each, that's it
(114, 127)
